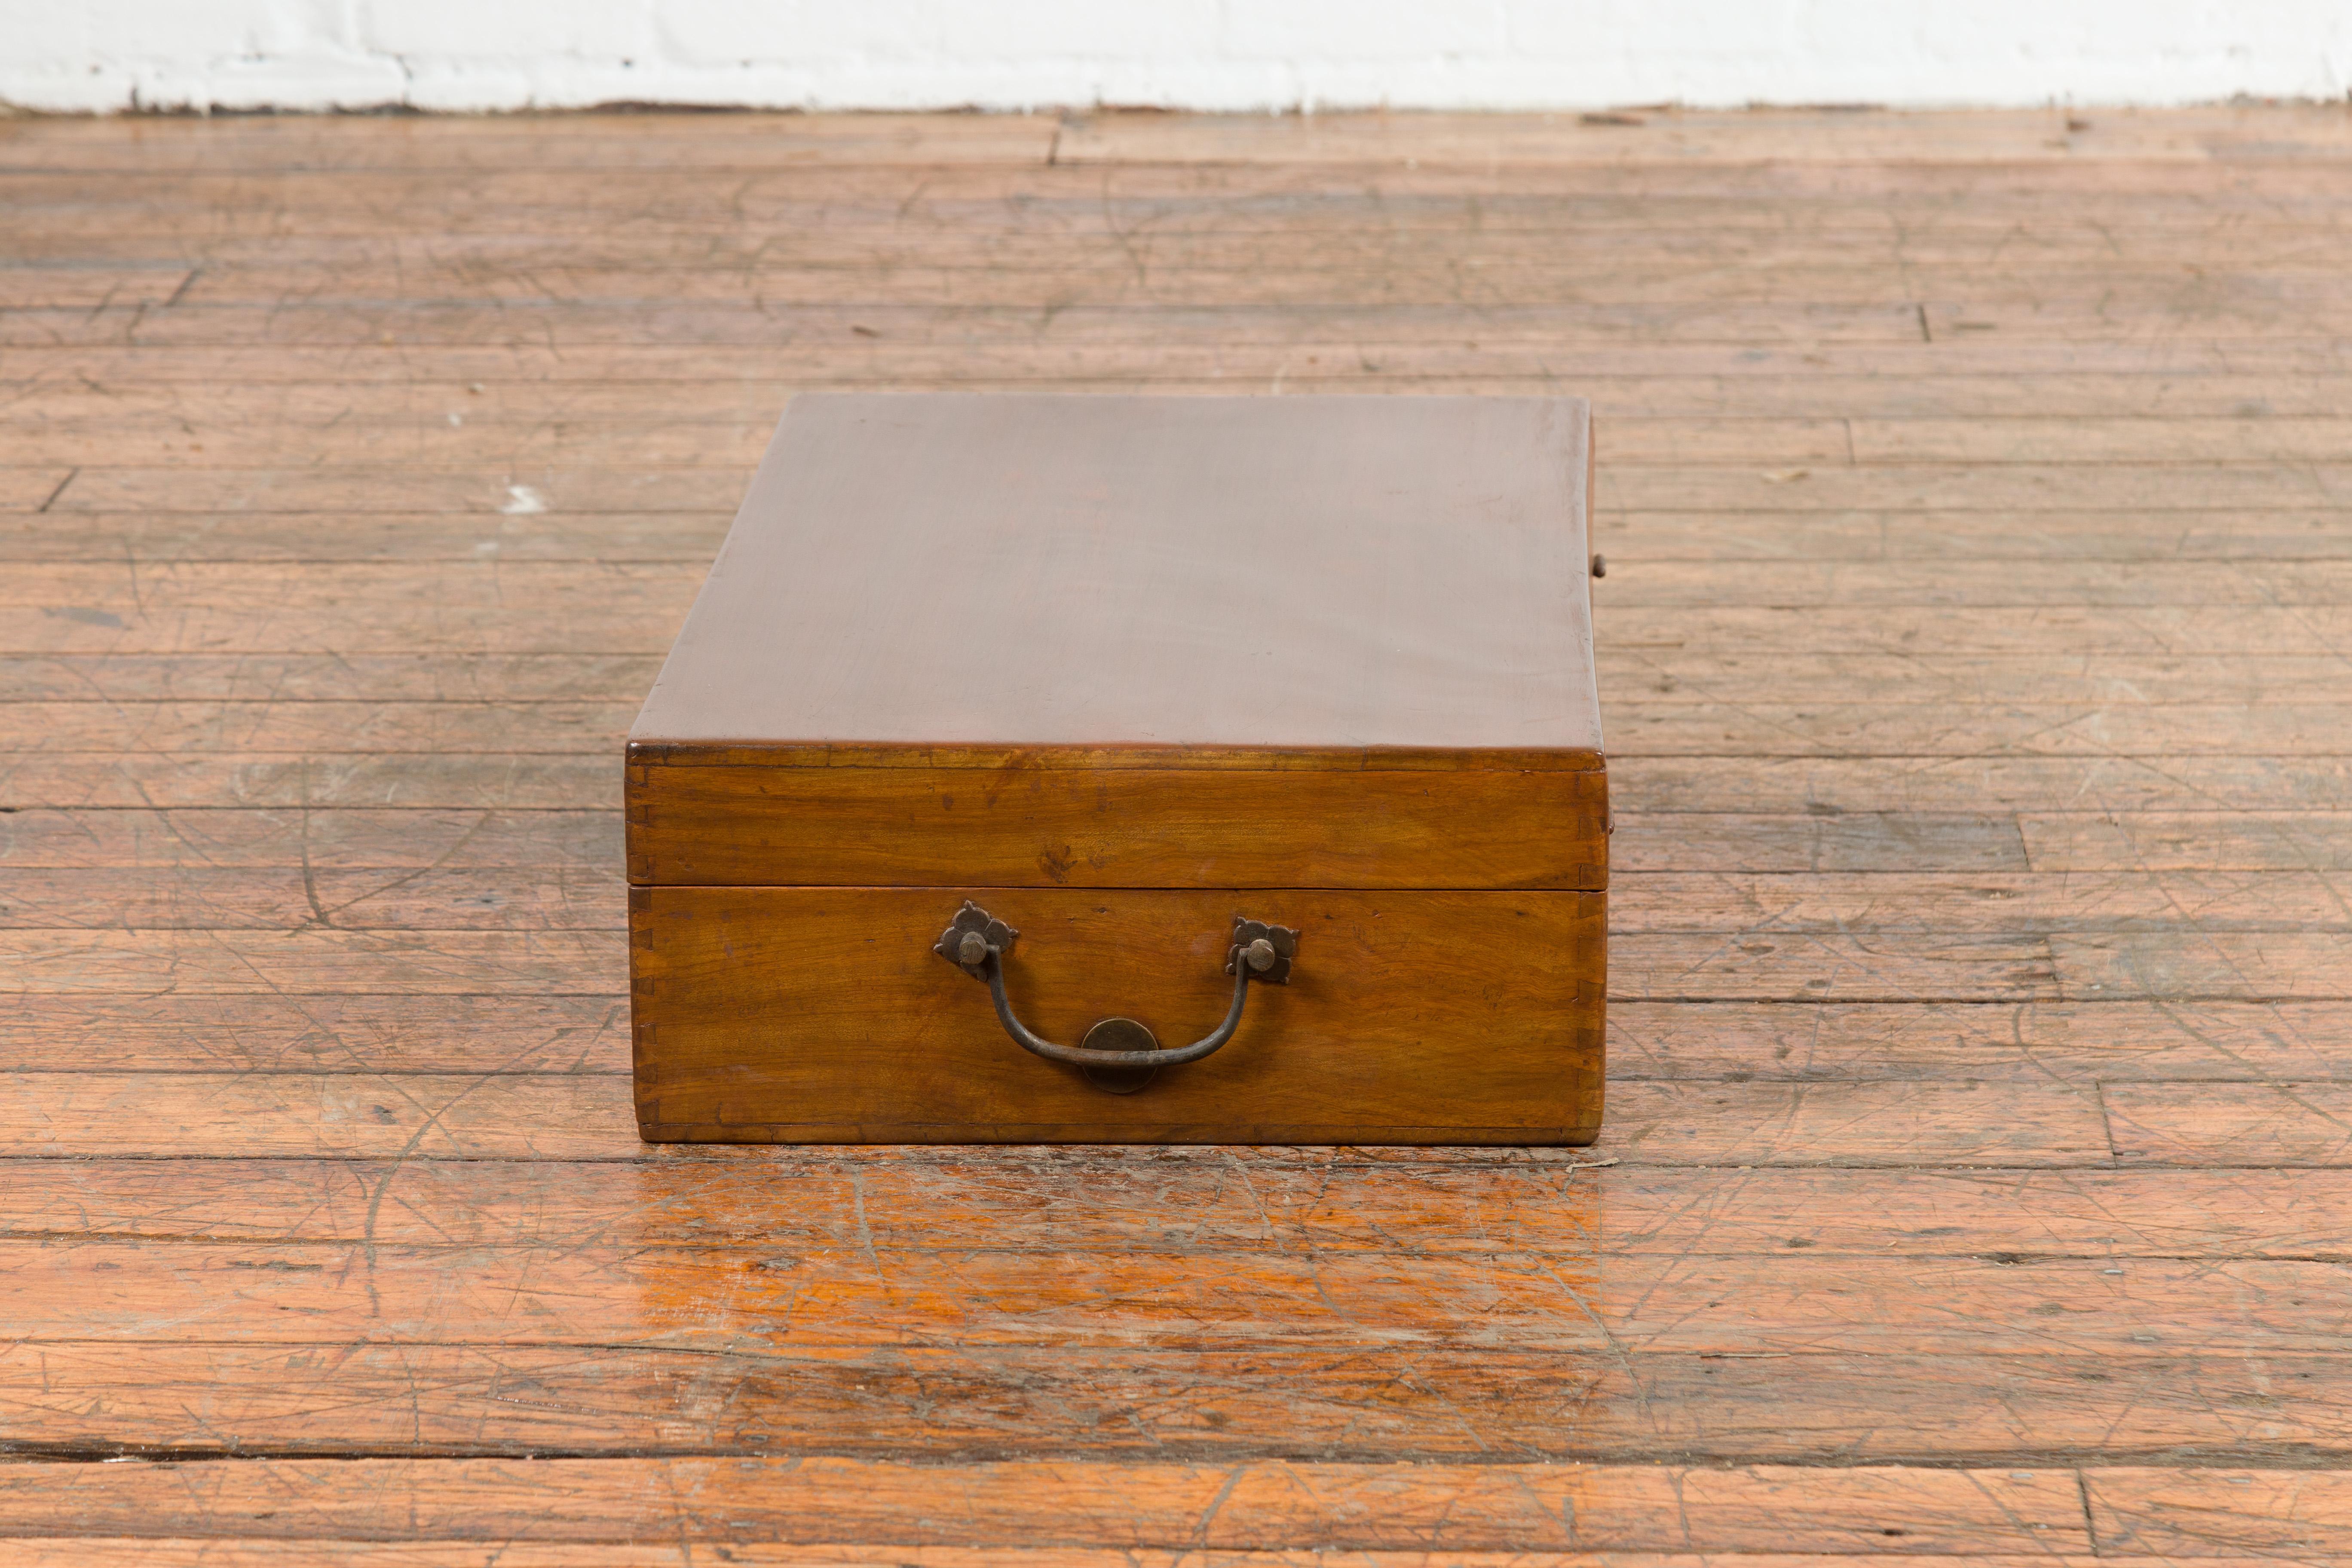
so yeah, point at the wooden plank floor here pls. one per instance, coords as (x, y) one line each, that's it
(1976, 492)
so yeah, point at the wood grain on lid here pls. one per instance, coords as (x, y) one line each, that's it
(1268, 572)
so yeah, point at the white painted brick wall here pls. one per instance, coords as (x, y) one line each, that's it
(108, 54)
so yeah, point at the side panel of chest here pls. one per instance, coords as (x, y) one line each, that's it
(822, 1015)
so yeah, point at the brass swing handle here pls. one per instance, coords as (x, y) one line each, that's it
(975, 943)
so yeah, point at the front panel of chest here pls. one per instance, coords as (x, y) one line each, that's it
(892, 1015)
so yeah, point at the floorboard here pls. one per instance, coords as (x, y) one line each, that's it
(1976, 1182)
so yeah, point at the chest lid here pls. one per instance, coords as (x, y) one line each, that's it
(1284, 637)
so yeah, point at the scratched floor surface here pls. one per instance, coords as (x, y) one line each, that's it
(1977, 492)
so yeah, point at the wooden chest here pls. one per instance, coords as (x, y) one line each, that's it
(1131, 770)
